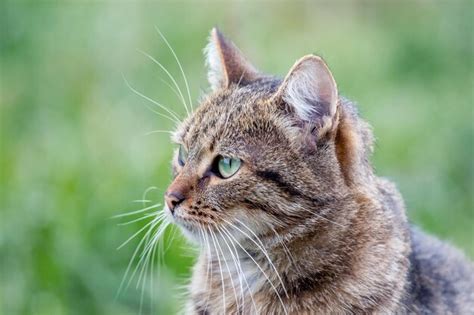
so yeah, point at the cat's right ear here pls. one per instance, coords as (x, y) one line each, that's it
(226, 64)
(309, 91)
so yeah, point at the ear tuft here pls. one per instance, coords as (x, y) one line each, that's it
(310, 89)
(226, 64)
(216, 71)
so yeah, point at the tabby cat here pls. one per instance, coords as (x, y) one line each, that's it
(272, 180)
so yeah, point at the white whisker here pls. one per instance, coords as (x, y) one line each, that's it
(263, 272)
(145, 250)
(159, 232)
(285, 248)
(240, 267)
(152, 275)
(153, 214)
(140, 279)
(170, 76)
(153, 223)
(262, 248)
(220, 269)
(145, 193)
(171, 88)
(174, 117)
(158, 131)
(209, 267)
(322, 217)
(126, 214)
(179, 65)
(228, 269)
(137, 233)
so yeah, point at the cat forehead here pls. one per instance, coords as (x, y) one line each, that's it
(230, 114)
(224, 116)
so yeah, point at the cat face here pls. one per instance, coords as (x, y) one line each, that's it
(256, 154)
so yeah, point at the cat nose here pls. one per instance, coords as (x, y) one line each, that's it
(173, 199)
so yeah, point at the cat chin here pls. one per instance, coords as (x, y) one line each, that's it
(190, 235)
(189, 229)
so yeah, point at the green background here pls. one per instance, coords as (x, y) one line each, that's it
(74, 149)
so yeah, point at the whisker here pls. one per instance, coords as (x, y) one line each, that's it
(228, 269)
(159, 232)
(126, 214)
(220, 269)
(156, 213)
(170, 76)
(121, 286)
(237, 268)
(224, 230)
(158, 131)
(144, 267)
(173, 117)
(148, 244)
(263, 272)
(285, 248)
(171, 240)
(145, 255)
(324, 218)
(161, 254)
(262, 248)
(145, 250)
(137, 233)
(152, 276)
(171, 88)
(179, 65)
(209, 266)
(145, 193)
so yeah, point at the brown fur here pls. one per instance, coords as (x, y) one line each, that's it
(336, 234)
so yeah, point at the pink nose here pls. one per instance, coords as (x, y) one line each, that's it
(173, 199)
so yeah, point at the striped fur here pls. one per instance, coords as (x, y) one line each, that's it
(305, 226)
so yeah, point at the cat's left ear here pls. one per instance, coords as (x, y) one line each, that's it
(226, 64)
(309, 90)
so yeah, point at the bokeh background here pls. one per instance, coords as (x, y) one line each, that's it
(75, 149)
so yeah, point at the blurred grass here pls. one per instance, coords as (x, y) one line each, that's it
(74, 150)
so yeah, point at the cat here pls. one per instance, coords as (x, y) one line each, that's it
(272, 180)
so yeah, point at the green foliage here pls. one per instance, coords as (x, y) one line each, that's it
(74, 150)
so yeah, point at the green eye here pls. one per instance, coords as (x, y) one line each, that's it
(182, 155)
(228, 166)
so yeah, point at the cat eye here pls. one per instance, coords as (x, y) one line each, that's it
(182, 155)
(227, 166)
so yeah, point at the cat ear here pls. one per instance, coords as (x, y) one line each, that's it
(226, 64)
(310, 91)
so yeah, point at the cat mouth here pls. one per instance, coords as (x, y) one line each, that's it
(191, 228)
(190, 224)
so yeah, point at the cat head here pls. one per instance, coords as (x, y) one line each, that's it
(262, 153)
